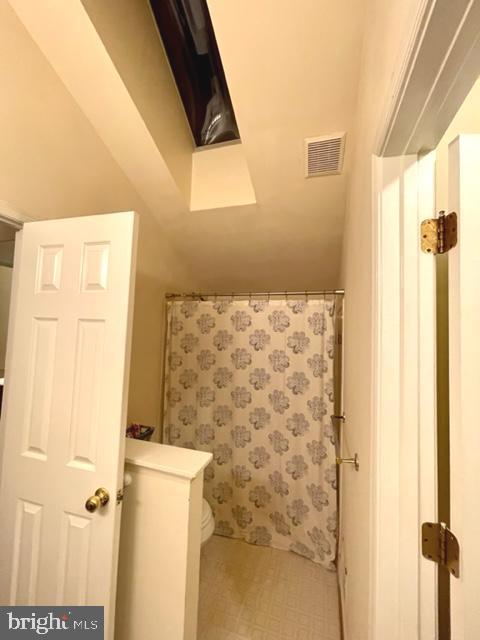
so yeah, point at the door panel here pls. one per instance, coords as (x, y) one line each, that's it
(85, 424)
(28, 520)
(464, 323)
(65, 410)
(75, 535)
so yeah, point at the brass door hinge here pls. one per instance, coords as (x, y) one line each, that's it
(439, 235)
(441, 546)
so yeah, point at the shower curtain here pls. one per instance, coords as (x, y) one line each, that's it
(252, 382)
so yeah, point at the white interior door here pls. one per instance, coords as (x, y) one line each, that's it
(65, 410)
(464, 321)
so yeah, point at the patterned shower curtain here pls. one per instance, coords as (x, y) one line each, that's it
(252, 382)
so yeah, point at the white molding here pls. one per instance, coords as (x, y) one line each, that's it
(439, 65)
(403, 584)
(385, 597)
(12, 216)
(375, 342)
(426, 396)
(402, 76)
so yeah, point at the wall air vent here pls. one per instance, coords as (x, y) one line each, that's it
(324, 155)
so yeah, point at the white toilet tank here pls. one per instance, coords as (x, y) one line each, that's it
(208, 522)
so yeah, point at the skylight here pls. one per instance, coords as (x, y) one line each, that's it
(189, 40)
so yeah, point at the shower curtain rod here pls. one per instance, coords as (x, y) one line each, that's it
(251, 294)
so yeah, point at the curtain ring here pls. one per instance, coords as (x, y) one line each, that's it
(215, 297)
(250, 297)
(286, 296)
(306, 295)
(268, 296)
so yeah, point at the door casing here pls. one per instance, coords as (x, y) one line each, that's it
(439, 64)
(404, 591)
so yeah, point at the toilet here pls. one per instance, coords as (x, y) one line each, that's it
(208, 522)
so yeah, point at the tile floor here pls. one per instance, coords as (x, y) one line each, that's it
(258, 593)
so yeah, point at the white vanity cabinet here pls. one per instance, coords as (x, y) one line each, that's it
(157, 592)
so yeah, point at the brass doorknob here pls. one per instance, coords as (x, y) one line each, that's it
(100, 499)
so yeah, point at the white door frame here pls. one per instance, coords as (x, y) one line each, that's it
(404, 428)
(12, 216)
(440, 63)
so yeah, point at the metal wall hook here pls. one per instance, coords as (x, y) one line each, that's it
(355, 461)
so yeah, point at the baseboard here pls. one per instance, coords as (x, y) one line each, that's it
(341, 603)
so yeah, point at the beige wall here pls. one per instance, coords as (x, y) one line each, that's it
(387, 24)
(220, 178)
(131, 38)
(54, 165)
(159, 270)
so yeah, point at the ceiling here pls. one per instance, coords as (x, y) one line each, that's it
(292, 74)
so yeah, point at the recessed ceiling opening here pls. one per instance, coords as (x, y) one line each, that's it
(187, 33)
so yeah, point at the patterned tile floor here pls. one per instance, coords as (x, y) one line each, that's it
(258, 593)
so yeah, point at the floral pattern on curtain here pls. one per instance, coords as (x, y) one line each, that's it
(252, 382)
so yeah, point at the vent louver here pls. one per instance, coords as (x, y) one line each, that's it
(324, 155)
